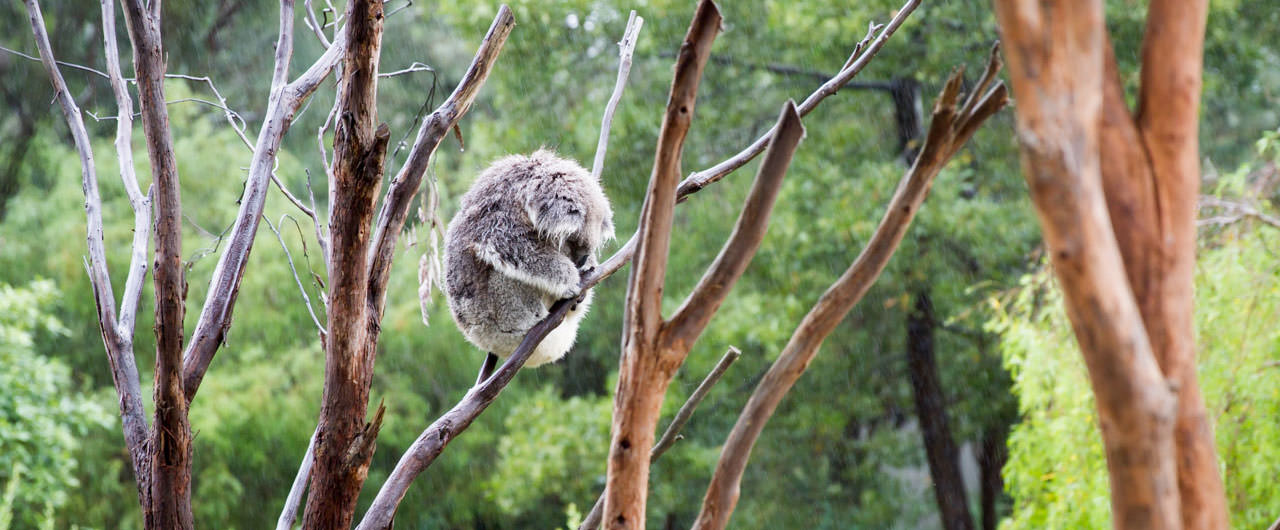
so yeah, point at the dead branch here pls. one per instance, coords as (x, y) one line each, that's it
(282, 106)
(292, 501)
(1057, 65)
(395, 207)
(626, 48)
(946, 135)
(306, 299)
(423, 452)
(1233, 212)
(117, 334)
(705, 177)
(672, 433)
(695, 313)
(646, 366)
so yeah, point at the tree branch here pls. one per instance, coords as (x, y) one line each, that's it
(946, 135)
(395, 207)
(282, 107)
(423, 452)
(695, 313)
(646, 368)
(672, 433)
(705, 177)
(291, 503)
(170, 484)
(626, 48)
(117, 335)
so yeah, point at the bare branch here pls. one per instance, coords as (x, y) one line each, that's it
(314, 25)
(705, 177)
(940, 144)
(672, 433)
(626, 48)
(413, 67)
(693, 315)
(59, 63)
(306, 299)
(433, 440)
(395, 207)
(291, 503)
(282, 107)
(1235, 212)
(646, 366)
(117, 335)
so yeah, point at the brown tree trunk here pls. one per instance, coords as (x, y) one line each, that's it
(1116, 196)
(931, 410)
(344, 443)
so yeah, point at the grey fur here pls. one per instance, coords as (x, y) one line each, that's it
(524, 233)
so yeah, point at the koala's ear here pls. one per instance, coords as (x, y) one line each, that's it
(556, 217)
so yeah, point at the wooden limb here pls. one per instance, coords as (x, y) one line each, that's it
(626, 48)
(170, 443)
(117, 335)
(291, 503)
(672, 433)
(1168, 120)
(433, 440)
(343, 439)
(288, 256)
(695, 313)
(647, 366)
(395, 207)
(945, 130)
(282, 106)
(702, 179)
(1056, 56)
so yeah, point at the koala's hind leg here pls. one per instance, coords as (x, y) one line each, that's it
(531, 261)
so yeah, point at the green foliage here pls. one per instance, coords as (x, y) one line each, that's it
(42, 415)
(1057, 470)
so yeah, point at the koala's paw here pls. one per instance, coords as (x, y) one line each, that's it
(569, 291)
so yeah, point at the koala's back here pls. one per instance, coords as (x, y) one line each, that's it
(514, 248)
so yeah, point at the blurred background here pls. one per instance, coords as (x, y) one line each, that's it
(966, 309)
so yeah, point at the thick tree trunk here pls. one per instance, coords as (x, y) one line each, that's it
(931, 410)
(344, 442)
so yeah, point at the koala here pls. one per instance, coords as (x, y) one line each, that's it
(526, 232)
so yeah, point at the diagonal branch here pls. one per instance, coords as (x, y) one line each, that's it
(942, 141)
(693, 316)
(395, 207)
(423, 452)
(282, 106)
(117, 335)
(626, 48)
(702, 179)
(672, 433)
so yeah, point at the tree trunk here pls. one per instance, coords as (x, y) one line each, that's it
(992, 455)
(931, 409)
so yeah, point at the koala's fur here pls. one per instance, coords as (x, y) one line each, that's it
(525, 231)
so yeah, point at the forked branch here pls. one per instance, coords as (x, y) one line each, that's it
(946, 135)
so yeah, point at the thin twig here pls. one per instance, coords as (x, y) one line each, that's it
(413, 67)
(672, 433)
(306, 299)
(61, 63)
(626, 48)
